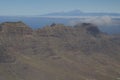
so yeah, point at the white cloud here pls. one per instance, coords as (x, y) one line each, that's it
(103, 20)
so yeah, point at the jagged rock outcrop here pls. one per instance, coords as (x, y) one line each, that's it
(58, 52)
(15, 28)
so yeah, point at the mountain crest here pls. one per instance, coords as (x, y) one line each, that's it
(15, 28)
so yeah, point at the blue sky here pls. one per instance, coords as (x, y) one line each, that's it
(38, 7)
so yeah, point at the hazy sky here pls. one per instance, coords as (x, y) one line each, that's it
(38, 7)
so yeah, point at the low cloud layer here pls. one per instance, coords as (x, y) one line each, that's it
(104, 20)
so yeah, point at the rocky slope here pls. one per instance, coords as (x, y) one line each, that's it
(58, 52)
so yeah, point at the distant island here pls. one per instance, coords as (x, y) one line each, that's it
(80, 13)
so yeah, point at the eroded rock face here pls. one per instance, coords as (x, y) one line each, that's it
(58, 52)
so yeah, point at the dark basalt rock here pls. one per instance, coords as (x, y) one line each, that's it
(93, 30)
(89, 28)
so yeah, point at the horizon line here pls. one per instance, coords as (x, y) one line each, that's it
(58, 12)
